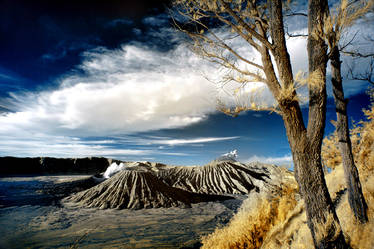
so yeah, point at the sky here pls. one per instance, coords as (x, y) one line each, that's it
(116, 79)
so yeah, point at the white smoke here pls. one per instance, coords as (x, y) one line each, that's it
(113, 169)
(230, 156)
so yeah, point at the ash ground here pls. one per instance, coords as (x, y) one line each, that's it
(31, 216)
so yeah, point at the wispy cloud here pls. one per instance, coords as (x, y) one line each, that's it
(61, 146)
(159, 20)
(7, 77)
(173, 142)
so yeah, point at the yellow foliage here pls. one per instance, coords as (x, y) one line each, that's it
(250, 228)
(330, 151)
(342, 18)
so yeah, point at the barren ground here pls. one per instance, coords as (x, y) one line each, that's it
(32, 219)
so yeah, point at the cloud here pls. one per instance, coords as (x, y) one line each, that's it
(127, 90)
(132, 89)
(31, 144)
(62, 146)
(4, 109)
(136, 89)
(10, 80)
(119, 22)
(283, 160)
(159, 20)
(173, 142)
(7, 77)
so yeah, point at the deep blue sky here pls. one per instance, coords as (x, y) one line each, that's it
(93, 78)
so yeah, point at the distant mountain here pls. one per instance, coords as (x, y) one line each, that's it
(148, 185)
(50, 165)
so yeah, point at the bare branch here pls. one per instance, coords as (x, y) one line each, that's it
(342, 47)
(224, 45)
(218, 42)
(294, 35)
(296, 14)
(225, 63)
(250, 30)
(246, 37)
(358, 54)
(220, 58)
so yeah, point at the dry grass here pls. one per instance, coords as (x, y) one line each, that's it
(250, 228)
(360, 236)
(279, 221)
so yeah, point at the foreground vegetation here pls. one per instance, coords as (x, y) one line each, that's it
(279, 220)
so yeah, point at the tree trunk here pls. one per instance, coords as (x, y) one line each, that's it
(321, 216)
(306, 143)
(355, 196)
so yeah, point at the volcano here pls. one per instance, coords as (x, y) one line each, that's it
(154, 185)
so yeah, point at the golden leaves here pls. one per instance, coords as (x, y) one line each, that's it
(344, 16)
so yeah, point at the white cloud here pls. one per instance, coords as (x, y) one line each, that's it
(283, 160)
(173, 142)
(298, 52)
(132, 89)
(123, 91)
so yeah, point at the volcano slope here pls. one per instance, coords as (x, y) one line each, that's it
(224, 177)
(153, 185)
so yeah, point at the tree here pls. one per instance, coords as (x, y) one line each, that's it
(333, 28)
(262, 28)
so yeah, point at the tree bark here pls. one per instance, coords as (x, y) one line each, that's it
(321, 216)
(306, 143)
(311, 177)
(355, 196)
